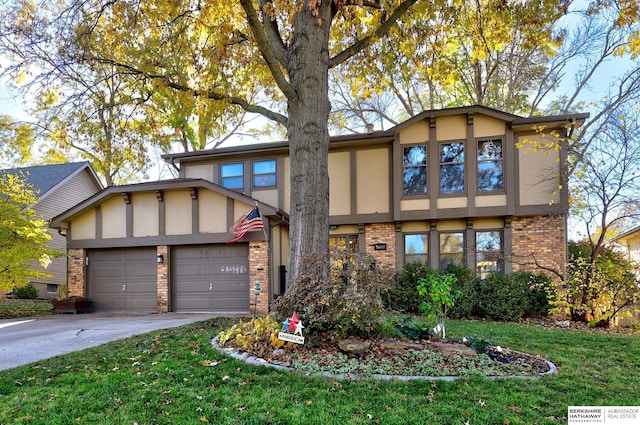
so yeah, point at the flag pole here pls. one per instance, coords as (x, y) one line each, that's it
(264, 232)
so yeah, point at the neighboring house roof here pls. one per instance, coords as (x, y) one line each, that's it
(61, 220)
(635, 232)
(46, 178)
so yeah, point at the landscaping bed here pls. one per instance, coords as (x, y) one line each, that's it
(12, 308)
(427, 359)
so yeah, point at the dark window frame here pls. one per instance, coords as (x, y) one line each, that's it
(233, 176)
(497, 254)
(462, 163)
(424, 255)
(480, 161)
(273, 173)
(425, 166)
(442, 264)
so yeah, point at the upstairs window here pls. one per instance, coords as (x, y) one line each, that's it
(488, 252)
(490, 166)
(232, 176)
(415, 170)
(264, 173)
(452, 167)
(416, 249)
(451, 249)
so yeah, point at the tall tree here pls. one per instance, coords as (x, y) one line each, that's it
(221, 51)
(23, 235)
(605, 189)
(16, 142)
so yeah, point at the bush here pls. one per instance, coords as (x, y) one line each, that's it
(348, 302)
(259, 335)
(466, 305)
(514, 296)
(598, 290)
(27, 292)
(403, 294)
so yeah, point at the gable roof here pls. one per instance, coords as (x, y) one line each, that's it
(515, 121)
(45, 178)
(62, 220)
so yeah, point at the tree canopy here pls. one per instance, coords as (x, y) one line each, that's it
(273, 58)
(23, 235)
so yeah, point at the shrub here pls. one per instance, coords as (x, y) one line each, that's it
(259, 335)
(27, 292)
(403, 294)
(542, 293)
(514, 296)
(348, 302)
(598, 288)
(466, 305)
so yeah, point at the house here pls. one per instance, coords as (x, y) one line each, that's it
(58, 187)
(472, 185)
(629, 243)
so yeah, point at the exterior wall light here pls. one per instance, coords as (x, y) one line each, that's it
(160, 259)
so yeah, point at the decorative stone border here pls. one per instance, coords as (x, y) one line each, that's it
(256, 361)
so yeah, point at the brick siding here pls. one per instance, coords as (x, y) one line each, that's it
(539, 243)
(259, 271)
(381, 233)
(162, 277)
(76, 272)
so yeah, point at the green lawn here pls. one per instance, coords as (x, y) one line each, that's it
(162, 377)
(10, 309)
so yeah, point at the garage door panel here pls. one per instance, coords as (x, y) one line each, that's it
(123, 279)
(211, 278)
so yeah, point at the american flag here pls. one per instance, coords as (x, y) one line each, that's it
(249, 222)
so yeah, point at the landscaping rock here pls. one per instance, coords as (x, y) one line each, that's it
(396, 346)
(565, 324)
(450, 349)
(354, 346)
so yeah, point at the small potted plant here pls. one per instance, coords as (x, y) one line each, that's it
(66, 304)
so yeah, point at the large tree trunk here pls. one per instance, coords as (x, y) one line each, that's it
(308, 69)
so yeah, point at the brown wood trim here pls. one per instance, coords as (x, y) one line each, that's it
(361, 218)
(98, 222)
(202, 239)
(471, 166)
(353, 182)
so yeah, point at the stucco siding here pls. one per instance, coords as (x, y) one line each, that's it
(539, 171)
(340, 183)
(114, 220)
(372, 181)
(213, 212)
(145, 214)
(177, 210)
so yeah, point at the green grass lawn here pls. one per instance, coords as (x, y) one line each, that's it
(163, 378)
(10, 309)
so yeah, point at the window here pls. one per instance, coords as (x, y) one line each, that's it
(488, 252)
(264, 173)
(346, 246)
(52, 288)
(490, 171)
(451, 249)
(452, 167)
(415, 170)
(231, 176)
(416, 249)
(348, 243)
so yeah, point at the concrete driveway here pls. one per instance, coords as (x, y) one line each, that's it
(27, 340)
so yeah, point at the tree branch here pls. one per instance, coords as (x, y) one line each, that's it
(268, 49)
(382, 30)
